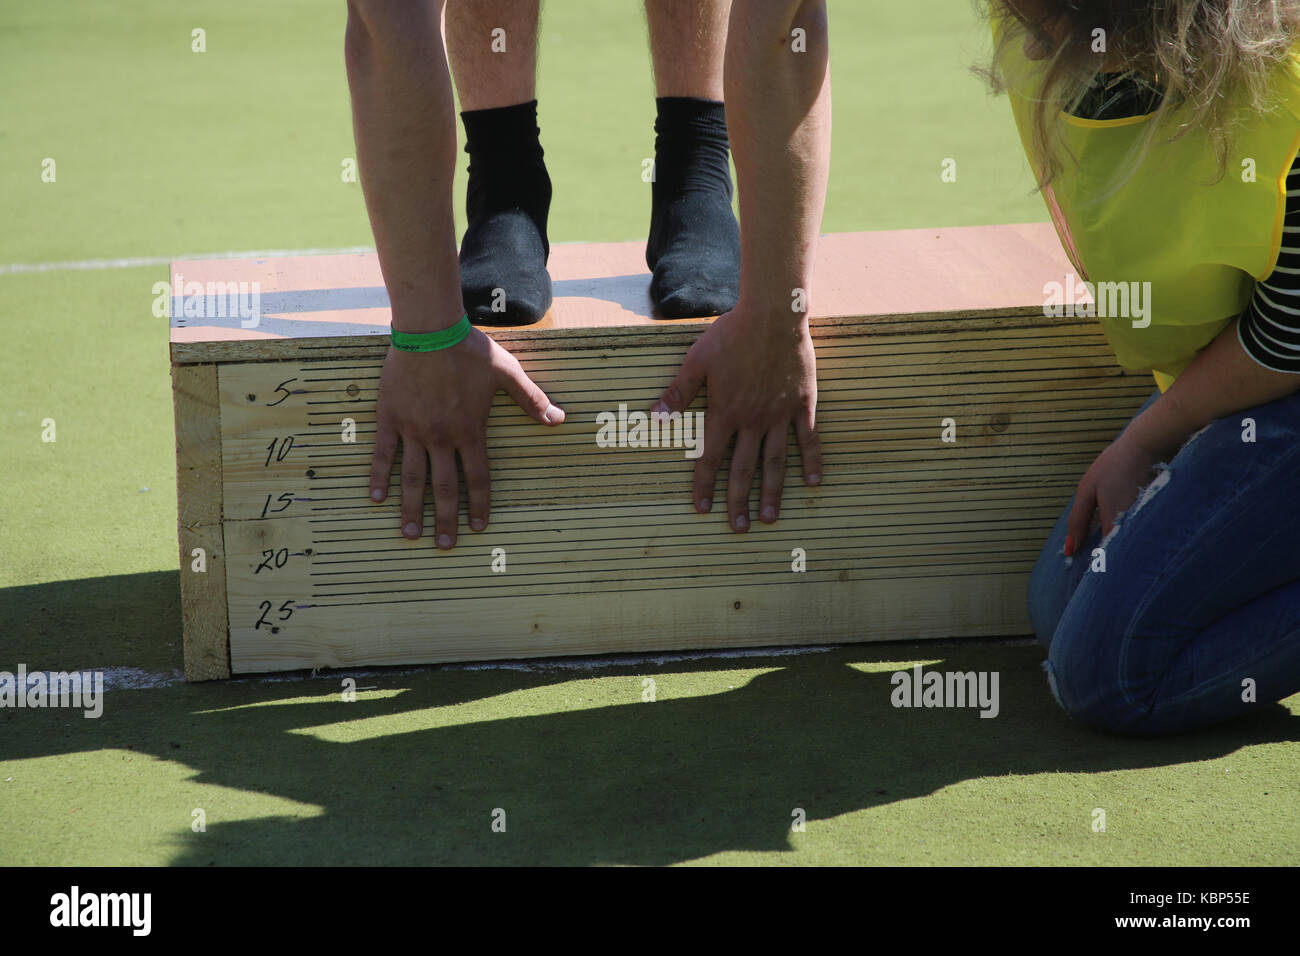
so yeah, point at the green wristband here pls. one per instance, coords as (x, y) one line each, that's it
(432, 341)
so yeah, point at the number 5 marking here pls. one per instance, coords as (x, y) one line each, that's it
(281, 388)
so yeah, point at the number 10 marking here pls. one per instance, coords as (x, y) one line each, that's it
(286, 444)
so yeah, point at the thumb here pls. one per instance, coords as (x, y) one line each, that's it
(528, 395)
(678, 396)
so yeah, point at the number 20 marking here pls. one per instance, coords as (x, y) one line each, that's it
(272, 559)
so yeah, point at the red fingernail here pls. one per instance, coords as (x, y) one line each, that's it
(1069, 545)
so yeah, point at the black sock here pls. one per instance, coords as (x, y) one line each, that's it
(503, 255)
(694, 243)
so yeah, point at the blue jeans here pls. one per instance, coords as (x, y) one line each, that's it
(1196, 616)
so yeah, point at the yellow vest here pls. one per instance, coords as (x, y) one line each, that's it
(1200, 243)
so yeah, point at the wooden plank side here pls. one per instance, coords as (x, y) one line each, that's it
(1005, 409)
(638, 619)
(602, 550)
(199, 493)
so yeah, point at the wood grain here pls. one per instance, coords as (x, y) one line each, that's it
(603, 550)
(198, 494)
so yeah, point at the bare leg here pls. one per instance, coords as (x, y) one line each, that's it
(493, 48)
(693, 247)
(688, 42)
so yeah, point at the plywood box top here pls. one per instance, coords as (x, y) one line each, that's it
(339, 301)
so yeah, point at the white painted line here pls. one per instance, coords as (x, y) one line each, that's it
(628, 660)
(133, 678)
(14, 268)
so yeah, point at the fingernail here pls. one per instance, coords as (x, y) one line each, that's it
(659, 408)
(478, 524)
(768, 514)
(444, 541)
(740, 523)
(1069, 545)
(412, 530)
(705, 504)
(376, 494)
(814, 479)
(552, 415)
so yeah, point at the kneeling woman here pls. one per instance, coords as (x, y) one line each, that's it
(1164, 136)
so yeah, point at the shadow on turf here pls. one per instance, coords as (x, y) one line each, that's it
(637, 783)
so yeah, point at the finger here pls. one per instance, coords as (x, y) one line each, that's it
(717, 435)
(414, 473)
(528, 395)
(1107, 518)
(381, 462)
(478, 484)
(1085, 503)
(774, 455)
(810, 447)
(744, 459)
(678, 396)
(446, 495)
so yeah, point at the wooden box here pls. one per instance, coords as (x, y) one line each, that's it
(286, 563)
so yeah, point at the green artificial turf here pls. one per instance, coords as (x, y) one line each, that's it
(162, 152)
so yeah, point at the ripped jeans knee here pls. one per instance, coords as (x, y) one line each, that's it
(1164, 474)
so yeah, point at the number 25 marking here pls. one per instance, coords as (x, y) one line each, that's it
(286, 612)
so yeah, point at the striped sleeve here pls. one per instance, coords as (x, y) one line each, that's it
(1269, 329)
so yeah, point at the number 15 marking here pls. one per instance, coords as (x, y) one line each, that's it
(286, 499)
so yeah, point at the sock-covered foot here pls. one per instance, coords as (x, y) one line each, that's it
(694, 243)
(503, 255)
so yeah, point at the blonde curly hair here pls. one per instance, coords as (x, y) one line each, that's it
(1204, 56)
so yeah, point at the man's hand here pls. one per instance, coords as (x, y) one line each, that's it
(762, 376)
(437, 403)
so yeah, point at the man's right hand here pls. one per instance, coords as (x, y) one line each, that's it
(437, 404)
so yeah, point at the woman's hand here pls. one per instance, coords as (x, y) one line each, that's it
(437, 403)
(1109, 486)
(762, 376)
